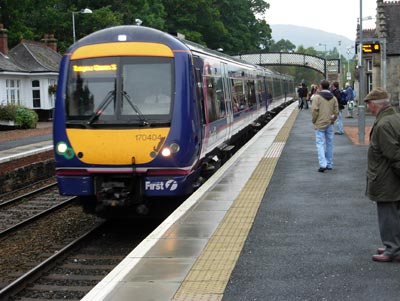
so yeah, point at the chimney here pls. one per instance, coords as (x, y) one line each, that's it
(3, 40)
(50, 41)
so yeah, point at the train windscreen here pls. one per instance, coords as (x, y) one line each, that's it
(115, 90)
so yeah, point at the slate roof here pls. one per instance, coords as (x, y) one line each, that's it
(7, 64)
(31, 57)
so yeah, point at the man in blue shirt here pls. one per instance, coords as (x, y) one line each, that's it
(350, 100)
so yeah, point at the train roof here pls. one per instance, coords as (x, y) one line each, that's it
(148, 34)
(130, 33)
(136, 33)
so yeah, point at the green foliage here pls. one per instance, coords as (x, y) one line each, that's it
(26, 118)
(23, 117)
(233, 25)
(282, 46)
(8, 112)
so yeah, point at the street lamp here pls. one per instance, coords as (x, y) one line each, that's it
(340, 65)
(348, 51)
(326, 67)
(82, 11)
(361, 106)
(322, 44)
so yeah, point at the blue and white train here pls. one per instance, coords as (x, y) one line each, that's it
(142, 114)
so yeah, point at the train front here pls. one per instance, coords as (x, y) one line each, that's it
(121, 133)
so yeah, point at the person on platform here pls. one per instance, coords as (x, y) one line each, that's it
(324, 111)
(339, 122)
(350, 100)
(383, 172)
(302, 92)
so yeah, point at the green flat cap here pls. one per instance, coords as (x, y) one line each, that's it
(376, 94)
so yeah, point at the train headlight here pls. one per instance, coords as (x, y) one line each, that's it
(61, 148)
(172, 149)
(166, 152)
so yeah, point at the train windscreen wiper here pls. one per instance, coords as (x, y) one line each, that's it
(134, 106)
(102, 106)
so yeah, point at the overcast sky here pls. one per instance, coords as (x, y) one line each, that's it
(322, 14)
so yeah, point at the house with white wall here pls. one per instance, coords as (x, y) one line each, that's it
(29, 73)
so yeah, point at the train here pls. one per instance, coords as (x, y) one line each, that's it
(144, 115)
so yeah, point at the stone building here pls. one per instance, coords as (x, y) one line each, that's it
(29, 73)
(382, 68)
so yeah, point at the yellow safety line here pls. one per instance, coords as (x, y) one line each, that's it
(210, 273)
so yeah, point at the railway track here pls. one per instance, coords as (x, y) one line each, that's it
(34, 227)
(25, 209)
(4, 197)
(79, 266)
(50, 249)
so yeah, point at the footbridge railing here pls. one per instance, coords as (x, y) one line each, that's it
(324, 66)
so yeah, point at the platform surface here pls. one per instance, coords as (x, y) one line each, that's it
(268, 226)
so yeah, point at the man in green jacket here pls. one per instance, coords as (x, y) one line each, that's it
(383, 174)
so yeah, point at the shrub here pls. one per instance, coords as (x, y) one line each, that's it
(8, 112)
(23, 117)
(26, 118)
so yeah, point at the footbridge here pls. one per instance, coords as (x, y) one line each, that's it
(330, 68)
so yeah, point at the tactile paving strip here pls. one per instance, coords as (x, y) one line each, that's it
(210, 274)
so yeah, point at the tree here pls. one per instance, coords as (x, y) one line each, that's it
(196, 20)
(282, 46)
(234, 25)
(246, 32)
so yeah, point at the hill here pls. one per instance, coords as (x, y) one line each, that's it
(310, 37)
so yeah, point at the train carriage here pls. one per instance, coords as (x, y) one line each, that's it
(141, 114)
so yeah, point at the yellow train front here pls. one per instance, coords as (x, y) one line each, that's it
(135, 117)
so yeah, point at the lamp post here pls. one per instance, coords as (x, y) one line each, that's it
(326, 67)
(361, 106)
(322, 44)
(340, 65)
(82, 11)
(348, 51)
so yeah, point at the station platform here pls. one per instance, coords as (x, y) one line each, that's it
(267, 226)
(17, 144)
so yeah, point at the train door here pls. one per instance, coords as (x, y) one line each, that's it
(228, 100)
(198, 69)
(270, 91)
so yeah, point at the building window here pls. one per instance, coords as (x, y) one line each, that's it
(13, 91)
(369, 65)
(36, 93)
(369, 82)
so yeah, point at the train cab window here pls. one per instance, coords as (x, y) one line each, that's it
(120, 90)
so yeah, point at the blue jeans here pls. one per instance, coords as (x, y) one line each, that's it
(340, 123)
(303, 103)
(324, 142)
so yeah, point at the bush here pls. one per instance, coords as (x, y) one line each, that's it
(23, 117)
(8, 112)
(26, 118)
